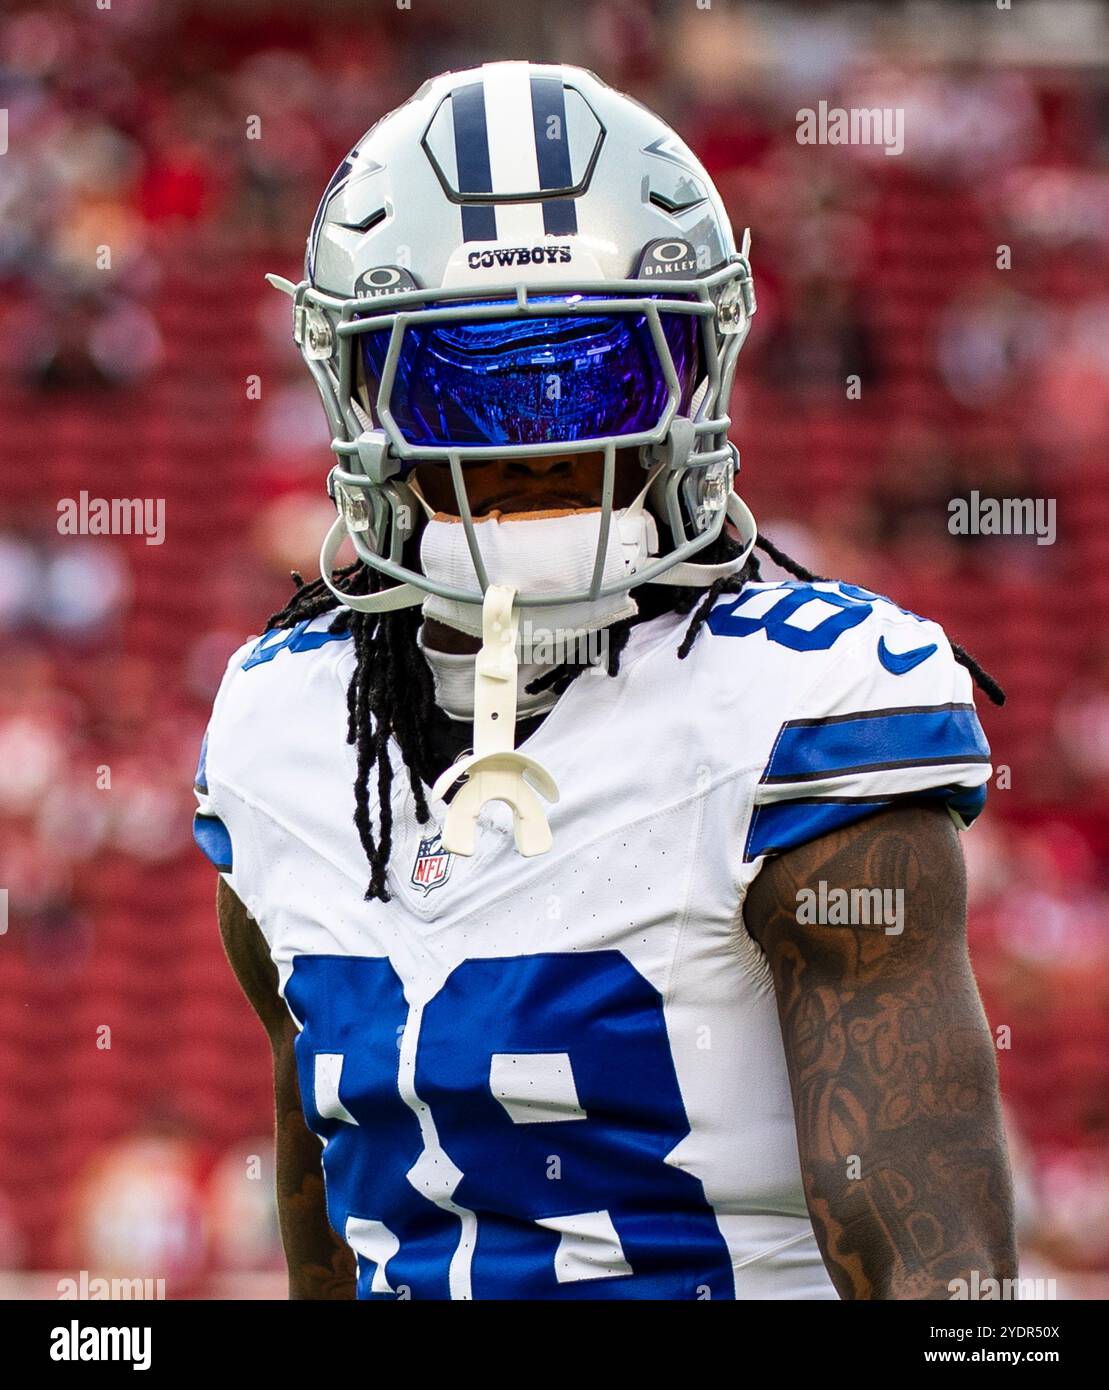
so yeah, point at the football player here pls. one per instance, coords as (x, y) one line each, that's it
(602, 900)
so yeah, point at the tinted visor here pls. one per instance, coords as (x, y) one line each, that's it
(532, 379)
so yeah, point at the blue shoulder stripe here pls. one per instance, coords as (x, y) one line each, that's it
(783, 825)
(968, 801)
(214, 840)
(808, 750)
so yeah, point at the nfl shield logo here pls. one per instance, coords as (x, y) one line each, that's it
(433, 864)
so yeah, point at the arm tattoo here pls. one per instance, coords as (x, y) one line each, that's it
(891, 1063)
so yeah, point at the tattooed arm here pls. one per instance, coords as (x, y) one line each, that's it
(891, 1062)
(320, 1264)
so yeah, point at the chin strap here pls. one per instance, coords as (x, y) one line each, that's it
(636, 528)
(387, 601)
(690, 574)
(494, 771)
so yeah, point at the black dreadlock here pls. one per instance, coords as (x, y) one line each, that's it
(392, 692)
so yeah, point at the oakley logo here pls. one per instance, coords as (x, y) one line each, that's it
(383, 279)
(519, 255)
(672, 257)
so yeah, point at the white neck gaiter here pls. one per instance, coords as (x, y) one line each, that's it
(453, 674)
(537, 553)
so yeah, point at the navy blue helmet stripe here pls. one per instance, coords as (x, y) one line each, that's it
(552, 151)
(479, 222)
(560, 217)
(471, 152)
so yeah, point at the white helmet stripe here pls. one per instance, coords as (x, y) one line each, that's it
(513, 161)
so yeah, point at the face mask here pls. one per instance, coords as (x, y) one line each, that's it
(537, 554)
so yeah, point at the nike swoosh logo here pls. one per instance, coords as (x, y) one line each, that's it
(898, 663)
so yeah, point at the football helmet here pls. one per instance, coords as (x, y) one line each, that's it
(519, 261)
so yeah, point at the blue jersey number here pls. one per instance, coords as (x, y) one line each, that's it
(852, 606)
(726, 619)
(292, 639)
(516, 1146)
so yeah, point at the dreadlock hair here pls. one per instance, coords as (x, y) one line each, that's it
(392, 692)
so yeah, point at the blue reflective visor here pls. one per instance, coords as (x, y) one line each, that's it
(532, 379)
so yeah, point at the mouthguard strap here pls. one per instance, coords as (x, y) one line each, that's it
(494, 771)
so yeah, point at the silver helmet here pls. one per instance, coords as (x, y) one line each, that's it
(519, 261)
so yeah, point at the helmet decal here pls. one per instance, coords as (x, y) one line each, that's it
(517, 135)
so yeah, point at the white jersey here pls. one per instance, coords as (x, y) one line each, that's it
(563, 1077)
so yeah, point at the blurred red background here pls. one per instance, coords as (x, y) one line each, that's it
(170, 374)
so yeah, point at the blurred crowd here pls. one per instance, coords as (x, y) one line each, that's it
(161, 156)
